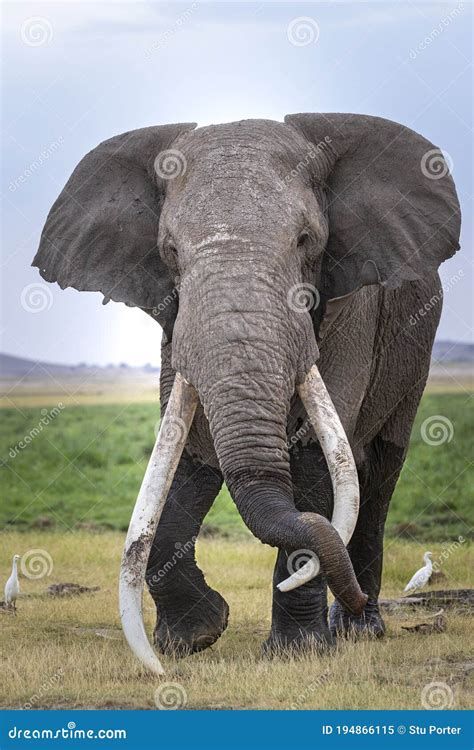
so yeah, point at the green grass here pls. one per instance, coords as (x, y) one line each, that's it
(434, 492)
(86, 465)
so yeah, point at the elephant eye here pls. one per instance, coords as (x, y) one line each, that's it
(170, 254)
(304, 239)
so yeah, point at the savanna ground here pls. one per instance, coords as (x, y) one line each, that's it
(71, 653)
(69, 493)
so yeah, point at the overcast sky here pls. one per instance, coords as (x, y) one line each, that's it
(78, 73)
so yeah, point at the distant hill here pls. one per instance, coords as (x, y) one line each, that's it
(18, 367)
(452, 351)
(444, 352)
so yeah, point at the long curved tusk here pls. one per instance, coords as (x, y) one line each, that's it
(149, 506)
(337, 451)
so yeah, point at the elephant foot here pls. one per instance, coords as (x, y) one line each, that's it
(368, 624)
(303, 642)
(299, 617)
(192, 627)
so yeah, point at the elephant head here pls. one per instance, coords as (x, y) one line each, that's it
(219, 232)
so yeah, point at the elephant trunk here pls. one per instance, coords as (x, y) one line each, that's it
(272, 517)
(254, 459)
(252, 349)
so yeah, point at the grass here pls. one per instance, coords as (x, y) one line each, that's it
(70, 653)
(434, 491)
(84, 467)
(82, 471)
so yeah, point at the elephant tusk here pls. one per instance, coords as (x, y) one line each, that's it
(149, 506)
(337, 451)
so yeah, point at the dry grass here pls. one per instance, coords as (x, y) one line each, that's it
(71, 653)
(139, 387)
(72, 391)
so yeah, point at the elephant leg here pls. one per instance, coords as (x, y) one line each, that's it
(382, 434)
(190, 615)
(378, 478)
(300, 617)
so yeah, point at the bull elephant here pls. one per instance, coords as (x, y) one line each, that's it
(286, 263)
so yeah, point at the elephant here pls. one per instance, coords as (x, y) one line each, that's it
(285, 262)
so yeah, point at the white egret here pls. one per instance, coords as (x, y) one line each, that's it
(422, 576)
(12, 586)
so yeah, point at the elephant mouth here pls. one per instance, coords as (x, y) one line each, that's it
(327, 540)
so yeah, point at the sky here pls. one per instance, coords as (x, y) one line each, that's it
(75, 74)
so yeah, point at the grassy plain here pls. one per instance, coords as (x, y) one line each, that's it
(68, 490)
(70, 653)
(84, 467)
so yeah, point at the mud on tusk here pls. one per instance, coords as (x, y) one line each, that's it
(146, 515)
(337, 451)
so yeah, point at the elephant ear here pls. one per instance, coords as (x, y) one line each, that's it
(392, 207)
(101, 233)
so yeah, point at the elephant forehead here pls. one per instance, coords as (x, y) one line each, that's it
(229, 208)
(249, 142)
(236, 176)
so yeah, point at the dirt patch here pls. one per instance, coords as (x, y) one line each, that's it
(70, 589)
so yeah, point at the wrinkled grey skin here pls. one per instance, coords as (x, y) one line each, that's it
(338, 202)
